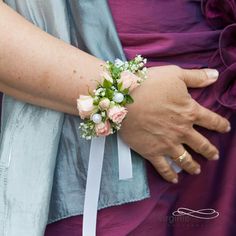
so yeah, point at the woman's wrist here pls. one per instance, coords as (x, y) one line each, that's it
(105, 107)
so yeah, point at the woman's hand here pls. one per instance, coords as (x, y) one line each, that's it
(161, 119)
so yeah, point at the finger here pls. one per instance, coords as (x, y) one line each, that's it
(164, 169)
(199, 78)
(188, 164)
(202, 145)
(211, 120)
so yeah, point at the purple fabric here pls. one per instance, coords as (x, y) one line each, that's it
(191, 34)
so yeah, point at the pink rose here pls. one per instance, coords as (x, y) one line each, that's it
(103, 129)
(117, 114)
(106, 75)
(104, 103)
(129, 80)
(85, 106)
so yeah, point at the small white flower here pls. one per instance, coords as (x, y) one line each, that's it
(138, 58)
(118, 63)
(126, 66)
(133, 67)
(98, 91)
(141, 64)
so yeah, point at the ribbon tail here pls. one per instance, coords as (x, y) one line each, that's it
(124, 160)
(94, 174)
(175, 167)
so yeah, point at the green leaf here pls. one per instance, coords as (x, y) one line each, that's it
(119, 86)
(109, 94)
(90, 93)
(129, 99)
(126, 91)
(123, 103)
(115, 73)
(96, 103)
(107, 84)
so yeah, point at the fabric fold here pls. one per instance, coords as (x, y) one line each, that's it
(222, 15)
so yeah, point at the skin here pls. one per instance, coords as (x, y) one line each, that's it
(41, 69)
(163, 126)
(163, 112)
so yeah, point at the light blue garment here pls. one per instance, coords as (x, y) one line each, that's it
(36, 141)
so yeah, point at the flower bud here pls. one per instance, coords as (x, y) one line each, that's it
(104, 103)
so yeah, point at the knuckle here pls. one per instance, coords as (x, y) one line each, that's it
(219, 123)
(165, 171)
(193, 113)
(215, 122)
(183, 74)
(204, 147)
(191, 116)
(182, 132)
(212, 150)
(176, 68)
(188, 163)
(202, 76)
(179, 72)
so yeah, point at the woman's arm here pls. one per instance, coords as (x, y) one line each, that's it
(41, 69)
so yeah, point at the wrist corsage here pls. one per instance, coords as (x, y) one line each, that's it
(104, 109)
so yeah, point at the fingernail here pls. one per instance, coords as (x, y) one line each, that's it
(197, 171)
(175, 181)
(228, 128)
(212, 74)
(216, 157)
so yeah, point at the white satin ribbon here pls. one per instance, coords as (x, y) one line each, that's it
(172, 163)
(93, 186)
(94, 174)
(124, 160)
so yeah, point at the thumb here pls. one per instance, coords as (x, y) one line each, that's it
(199, 78)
